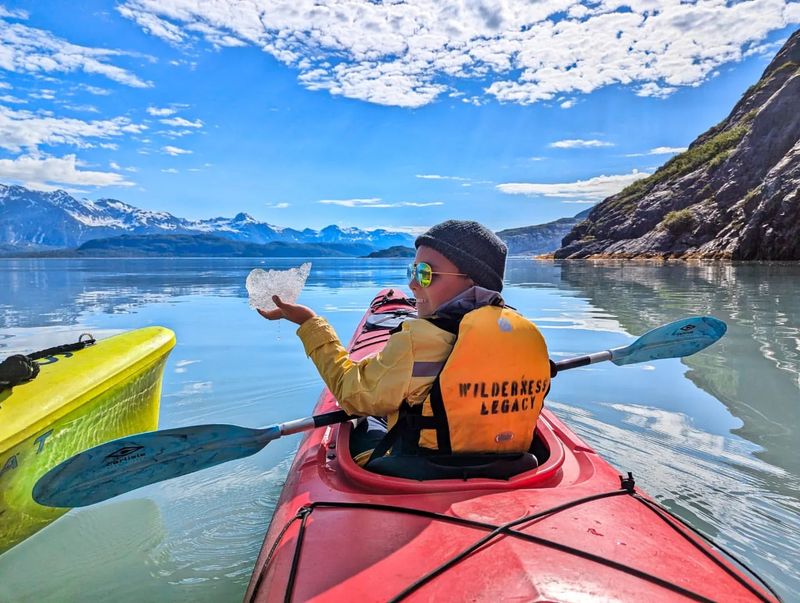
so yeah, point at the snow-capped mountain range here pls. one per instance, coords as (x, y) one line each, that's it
(56, 220)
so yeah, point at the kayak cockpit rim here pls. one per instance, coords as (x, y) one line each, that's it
(536, 477)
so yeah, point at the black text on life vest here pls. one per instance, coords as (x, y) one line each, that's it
(504, 396)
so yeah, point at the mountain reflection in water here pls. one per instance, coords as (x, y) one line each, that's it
(755, 369)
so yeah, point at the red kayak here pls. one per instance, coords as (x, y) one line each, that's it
(569, 529)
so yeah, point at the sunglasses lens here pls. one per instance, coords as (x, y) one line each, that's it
(411, 271)
(424, 274)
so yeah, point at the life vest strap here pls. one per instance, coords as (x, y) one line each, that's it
(440, 418)
(409, 423)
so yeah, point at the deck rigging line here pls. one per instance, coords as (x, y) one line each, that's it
(627, 488)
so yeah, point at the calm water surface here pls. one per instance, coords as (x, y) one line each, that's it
(713, 437)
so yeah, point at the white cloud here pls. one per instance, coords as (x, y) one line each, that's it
(536, 158)
(409, 53)
(438, 177)
(43, 94)
(568, 104)
(46, 173)
(659, 151)
(375, 202)
(161, 112)
(277, 205)
(579, 143)
(654, 90)
(83, 108)
(666, 150)
(96, 90)
(25, 129)
(170, 150)
(12, 14)
(26, 49)
(593, 189)
(372, 202)
(5, 86)
(179, 122)
(767, 49)
(13, 100)
(170, 171)
(175, 133)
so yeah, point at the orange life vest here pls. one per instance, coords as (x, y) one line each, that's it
(487, 397)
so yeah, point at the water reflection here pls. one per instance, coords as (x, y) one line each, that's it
(75, 543)
(47, 292)
(755, 369)
(711, 481)
(718, 448)
(736, 476)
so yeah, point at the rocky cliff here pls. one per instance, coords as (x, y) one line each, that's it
(734, 194)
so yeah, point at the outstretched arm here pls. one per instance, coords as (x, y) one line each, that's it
(375, 386)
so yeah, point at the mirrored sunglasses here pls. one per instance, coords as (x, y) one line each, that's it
(423, 273)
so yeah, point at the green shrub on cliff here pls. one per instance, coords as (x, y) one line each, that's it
(678, 222)
(710, 153)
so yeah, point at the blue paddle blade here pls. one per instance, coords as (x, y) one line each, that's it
(677, 339)
(134, 461)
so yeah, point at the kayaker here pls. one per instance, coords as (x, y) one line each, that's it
(481, 395)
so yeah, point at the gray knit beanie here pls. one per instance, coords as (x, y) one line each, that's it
(476, 250)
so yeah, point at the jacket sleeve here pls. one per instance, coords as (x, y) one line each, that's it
(376, 385)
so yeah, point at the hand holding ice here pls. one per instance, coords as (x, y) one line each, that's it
(286, 284)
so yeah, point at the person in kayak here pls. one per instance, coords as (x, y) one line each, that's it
(469, 376)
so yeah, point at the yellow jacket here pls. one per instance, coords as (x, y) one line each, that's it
(376, 386)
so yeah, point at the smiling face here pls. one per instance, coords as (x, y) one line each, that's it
(443, 286)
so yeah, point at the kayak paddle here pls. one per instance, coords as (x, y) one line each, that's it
(131, 462)
(674, 340)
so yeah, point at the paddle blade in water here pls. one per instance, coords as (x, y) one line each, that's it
(128, 463)
(677, 339)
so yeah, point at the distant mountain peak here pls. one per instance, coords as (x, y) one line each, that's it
(243, 217)
(115, 203)
(47, 220)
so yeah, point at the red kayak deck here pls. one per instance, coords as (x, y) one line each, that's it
(569, 530)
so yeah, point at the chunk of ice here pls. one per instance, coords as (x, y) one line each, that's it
(286, 284)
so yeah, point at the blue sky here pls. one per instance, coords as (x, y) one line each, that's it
(373, 114)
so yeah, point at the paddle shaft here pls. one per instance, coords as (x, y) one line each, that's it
(309, 423)
(570, 363)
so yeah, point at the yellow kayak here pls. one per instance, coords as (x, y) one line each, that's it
(79, 399)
